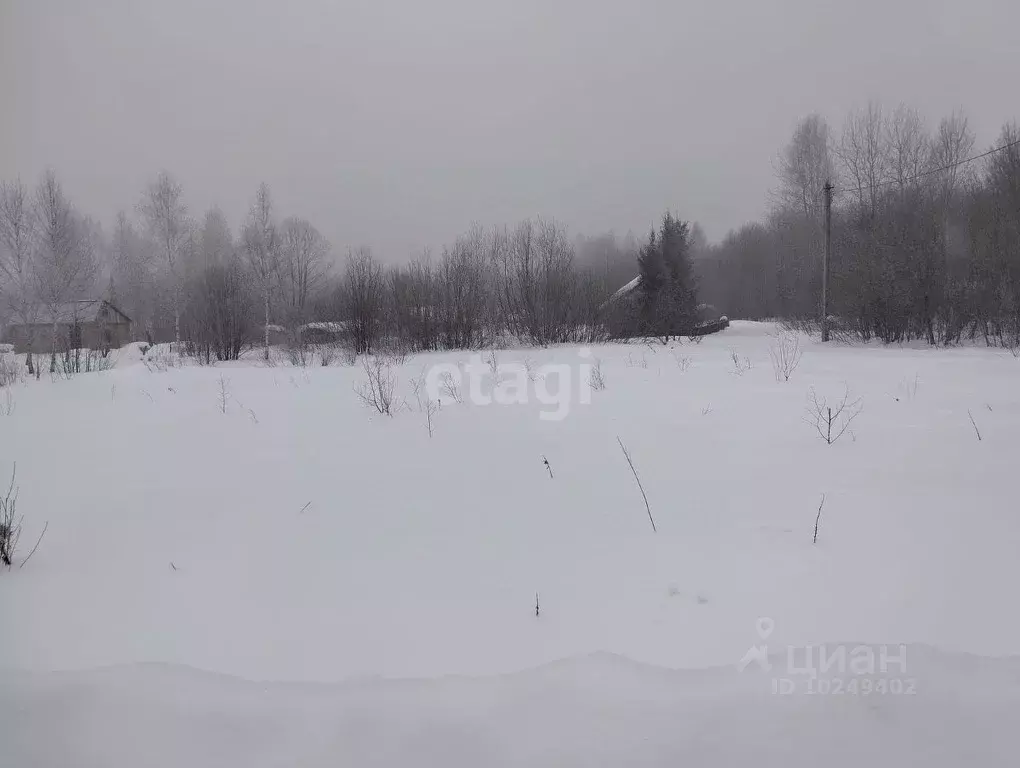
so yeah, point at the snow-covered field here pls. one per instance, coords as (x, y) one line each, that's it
(246, 566)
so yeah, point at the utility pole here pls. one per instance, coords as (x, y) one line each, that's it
(825, 261)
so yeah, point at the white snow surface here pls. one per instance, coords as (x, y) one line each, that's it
(356, 592)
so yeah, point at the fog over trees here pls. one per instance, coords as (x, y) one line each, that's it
(925, 245)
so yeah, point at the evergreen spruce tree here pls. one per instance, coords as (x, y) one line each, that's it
(668, 299)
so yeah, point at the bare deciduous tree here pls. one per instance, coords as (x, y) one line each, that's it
(953, 143)
(19, 289)
(162, 206)
(66, 264)
(864, 156)
(360, 300)
(909, 147)
(804, 166)
(262, 246)
(302, 270)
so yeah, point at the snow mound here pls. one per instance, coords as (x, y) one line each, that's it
(594, 710)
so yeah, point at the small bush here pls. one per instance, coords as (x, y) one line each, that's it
(337, 353)
(299, 355)
(161, 359)
(741, 365)
(11, 371)
(451, 389)
(10, 524)
(682, 361)
(785, 352)
(597, 379)
(831, 421)
(632, 362)
(379, 388)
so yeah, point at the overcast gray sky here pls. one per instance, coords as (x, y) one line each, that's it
(398, 123)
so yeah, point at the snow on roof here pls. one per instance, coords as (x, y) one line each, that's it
(333, 327)
(627, 288)
(82, 311)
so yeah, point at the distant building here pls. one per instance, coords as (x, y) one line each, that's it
(92, 324)
(323, 333)
(623, 314)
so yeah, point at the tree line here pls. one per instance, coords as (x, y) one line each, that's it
(925, 243)
(195, 282)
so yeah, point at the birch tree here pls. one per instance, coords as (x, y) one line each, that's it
(909, 147)
(863, 153)
(302, 269)
(166, 215)
(66, 264)
(805, 164)
(17, 257)
(262, 248)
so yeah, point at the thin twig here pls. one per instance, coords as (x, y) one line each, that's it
(14, 474)
(37, 543)
(974, 424)
(548, 466)
(306, 506)
(638, 479)
(818, 517)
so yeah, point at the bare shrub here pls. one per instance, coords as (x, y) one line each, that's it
(785, 352)
(529, 367)
(10, 371)
(632, 362)
(328, 354)
(682, 361)
(430, 408)
(7, 404)
(597, 379)
(395, 353)
(299, 355)
(379, 387)
(161, 359)
(493, 362)
(223, 397)
(831, 421)
(10, 523)
(93, 360)
(451, 389)
(337, 352)
(909, 387)
(426, 404)
(741, 365)
(418, 387)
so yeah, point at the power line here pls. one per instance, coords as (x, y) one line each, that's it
(933, 170)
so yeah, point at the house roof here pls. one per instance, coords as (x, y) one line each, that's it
(627, 288)
(85, 311)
